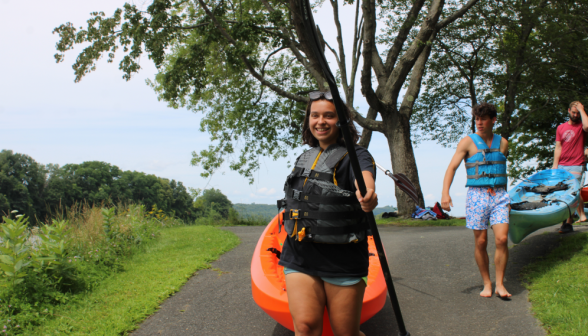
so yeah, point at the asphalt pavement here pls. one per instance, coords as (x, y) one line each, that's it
(434, 273)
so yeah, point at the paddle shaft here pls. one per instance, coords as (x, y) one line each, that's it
(386, 171)
(343, 124)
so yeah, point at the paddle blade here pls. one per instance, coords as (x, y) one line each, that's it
(406, 185)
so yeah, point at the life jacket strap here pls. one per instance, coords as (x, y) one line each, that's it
(305, 197)
(484, 174)
(309, 173)
(477, 175)
(475, 164)
(325, 215)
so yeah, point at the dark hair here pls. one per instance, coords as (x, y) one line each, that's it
(309, 139)
(484, 109)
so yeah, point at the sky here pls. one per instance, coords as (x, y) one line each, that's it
(47, 116)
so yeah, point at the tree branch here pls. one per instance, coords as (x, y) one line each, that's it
(367, 123)
(402, 35)
(416, 79)
(341, 59)
(314, 66)
(318, 76)
(366, 134)
(407, 61)
(248, 65)
(523, 118)
(456, 15)
(369, 32)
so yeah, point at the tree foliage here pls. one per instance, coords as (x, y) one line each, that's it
(38, 191)
(247, 65)
(213, 199)
(22, 183)
(525, 56)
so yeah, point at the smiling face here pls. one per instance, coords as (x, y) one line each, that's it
(322, 122)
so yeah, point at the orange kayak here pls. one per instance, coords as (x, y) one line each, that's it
(584, 193)
(268, 283)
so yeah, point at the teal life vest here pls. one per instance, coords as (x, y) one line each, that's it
(317, 209)
(487, 168)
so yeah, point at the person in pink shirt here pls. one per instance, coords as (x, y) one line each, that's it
(569, 152)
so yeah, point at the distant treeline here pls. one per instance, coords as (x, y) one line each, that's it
(268, 211)
(38, 190)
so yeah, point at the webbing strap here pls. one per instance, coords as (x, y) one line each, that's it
(488, 150)
(474, 164)
(304, 197)
(326, 215)
(484, 174)
(311, 174)
(335, 230)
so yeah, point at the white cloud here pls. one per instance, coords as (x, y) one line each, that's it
(266, 192)
(430, 197)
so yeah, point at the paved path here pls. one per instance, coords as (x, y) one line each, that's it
(434, 272)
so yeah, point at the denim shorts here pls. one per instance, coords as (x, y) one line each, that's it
(337, 281)
(577, 171)
(486, 205)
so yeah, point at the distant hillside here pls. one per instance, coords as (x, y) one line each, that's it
(387, 208)
(268, 211)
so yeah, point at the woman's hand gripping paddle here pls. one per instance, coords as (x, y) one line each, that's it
(312, 36)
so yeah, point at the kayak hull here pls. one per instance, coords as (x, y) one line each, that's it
(268, 283)
(561, 204)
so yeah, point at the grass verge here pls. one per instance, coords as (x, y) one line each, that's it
(558, 287)
(420, 222)
(124, 299)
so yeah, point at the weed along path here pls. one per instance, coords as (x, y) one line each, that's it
(434, 272)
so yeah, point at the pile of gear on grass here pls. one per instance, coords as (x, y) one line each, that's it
(428, 213)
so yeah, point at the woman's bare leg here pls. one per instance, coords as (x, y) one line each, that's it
(344, 306)
(306, 300)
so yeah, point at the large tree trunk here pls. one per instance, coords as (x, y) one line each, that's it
(397, 131)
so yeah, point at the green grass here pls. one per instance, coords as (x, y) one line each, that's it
(558, 287)
(125, 299)
(419, 222)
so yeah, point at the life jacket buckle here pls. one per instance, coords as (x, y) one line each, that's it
(294, 213)
(306, 172)
(281, 204)
(296, 194)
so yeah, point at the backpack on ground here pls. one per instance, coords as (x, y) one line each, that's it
(439, 211)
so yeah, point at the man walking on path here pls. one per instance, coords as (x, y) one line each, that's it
(487, 200)
(569, 152)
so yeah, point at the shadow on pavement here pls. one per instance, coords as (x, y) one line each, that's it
(383, 323)
(280, 330)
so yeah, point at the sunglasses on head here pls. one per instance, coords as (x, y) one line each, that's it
(315, 95)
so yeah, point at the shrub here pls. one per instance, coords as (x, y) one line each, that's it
(47, 265)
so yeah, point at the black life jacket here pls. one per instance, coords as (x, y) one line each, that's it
(317, 210)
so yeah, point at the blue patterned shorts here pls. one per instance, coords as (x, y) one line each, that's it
(483, 207)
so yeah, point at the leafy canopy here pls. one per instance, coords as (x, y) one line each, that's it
(199, 68)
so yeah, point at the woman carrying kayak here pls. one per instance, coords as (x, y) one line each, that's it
(325, 255)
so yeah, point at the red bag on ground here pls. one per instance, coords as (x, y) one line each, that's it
(440, 214)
